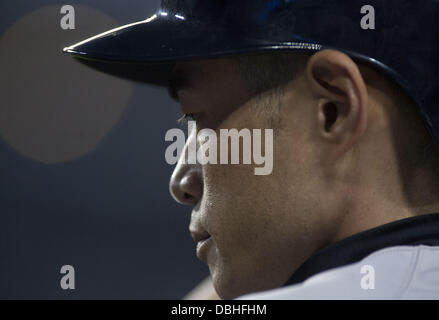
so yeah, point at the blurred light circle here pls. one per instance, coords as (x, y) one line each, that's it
(52, 108)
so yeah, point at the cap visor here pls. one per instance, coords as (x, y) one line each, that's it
(146, 50)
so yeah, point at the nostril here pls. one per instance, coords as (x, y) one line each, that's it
(191, 187)
(187, 187)
(187, 196)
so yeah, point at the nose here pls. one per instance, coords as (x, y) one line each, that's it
(186, 184)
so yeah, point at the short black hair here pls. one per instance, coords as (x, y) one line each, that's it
(270, 71)
(266, 76)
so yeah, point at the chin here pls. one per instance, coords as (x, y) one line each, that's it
(225, 292)
(225, 285)
(231, 285)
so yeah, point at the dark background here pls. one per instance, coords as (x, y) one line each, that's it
(107, 211)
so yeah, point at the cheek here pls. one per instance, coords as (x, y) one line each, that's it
(227, 189)
(242, 211)
(229, 197)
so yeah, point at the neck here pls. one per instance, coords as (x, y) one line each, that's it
(381, 192)
(370, 208)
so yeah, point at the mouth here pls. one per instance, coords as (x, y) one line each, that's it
(204, 241)
(199, 235)
(203, 247)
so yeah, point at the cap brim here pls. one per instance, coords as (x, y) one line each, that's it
(147, 50)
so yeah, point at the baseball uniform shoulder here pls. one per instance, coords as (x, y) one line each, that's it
(400, 272)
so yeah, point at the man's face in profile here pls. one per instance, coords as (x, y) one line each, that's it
(252, 231)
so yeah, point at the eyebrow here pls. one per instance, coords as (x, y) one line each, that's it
(179, 80)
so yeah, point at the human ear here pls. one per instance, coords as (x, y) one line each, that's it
(341, 99)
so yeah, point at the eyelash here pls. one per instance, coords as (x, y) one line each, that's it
(186, 117)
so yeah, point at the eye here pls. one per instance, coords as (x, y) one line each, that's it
(187, 117)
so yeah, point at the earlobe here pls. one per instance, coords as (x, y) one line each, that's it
(341, 98)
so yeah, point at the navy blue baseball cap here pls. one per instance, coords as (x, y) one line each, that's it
(404, 43)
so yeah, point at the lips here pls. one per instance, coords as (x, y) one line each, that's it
(199, 235)
(203, 247)
(203, 241)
